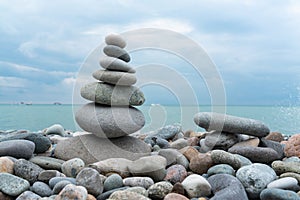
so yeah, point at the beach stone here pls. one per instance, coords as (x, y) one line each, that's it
(178, 188)
(179, 144)
(278, 194)
(112, 182)
(46, 175)
(5, 197)
(116, 40)
(144, 182)
(284, 183)
(255, 178)
(279, 148)
(53, 181)
(101, 148)
(12, 185)
(110, 122)
(292, 159)
(221, 140)
(91, 180)
(226, 187)
(275, 136)
(60, 186)
(150, 166)
(113, 165)
(292, 146)
(118, 195)
(115, 95)
(139, 190)
(115, 77)
(196, 186)
(27, 170)
(90, 197)
(72, 167)
(55, 129)
(291, 174)
(256, 154)
(189, 152)
(174, 157)
(221, 169)
(159, 190)
(115, 64)
(116, 52)
(42, 189)
(223, 157)
(203, 147)
(282, 167)
(231, 124)
(201, 163)
(28, 195)
(161, 143)
(17, 148)
(166, 132)
(175, 196)
(6, 165)
(72, 192)
(193, 141)
(42, 143)
(47, 162)
(176, 173)
(254, 142)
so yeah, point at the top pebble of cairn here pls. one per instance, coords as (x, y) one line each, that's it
(116, 40)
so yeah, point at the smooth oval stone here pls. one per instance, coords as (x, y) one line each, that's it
(116, 95)
(222, 140)
(282, 167)
(226, 187)
(196, 186)
(150, 166)
(115, 64)
(71, 191)
(91, 180)
(112, 182)
(256, 154)
(126, 195)
(221, 169)
(144, 182)
(27, 170)
(41, 189)
(114, 77)
(42, 143)
(116, 52)
(28, 195)
(284, 183)
(72, 167)
(223, 157)
(110, 122)
(160, 190)
(91, 148)
(175, 174)
(55, 129)
(53, 181)
(255, 178)
(47, 162)
(115, 39)
(278, 194)
(17, 148)
(231, 124)
(12, 185)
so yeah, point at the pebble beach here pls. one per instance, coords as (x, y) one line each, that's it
(176, 164)
(234, 158)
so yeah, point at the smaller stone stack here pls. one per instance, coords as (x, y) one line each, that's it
(111, 116)
(114, 94)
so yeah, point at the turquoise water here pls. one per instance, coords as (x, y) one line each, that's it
(37, 117)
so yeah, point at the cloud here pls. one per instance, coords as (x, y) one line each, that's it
(13, 82)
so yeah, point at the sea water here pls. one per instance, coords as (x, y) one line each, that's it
(284, 119)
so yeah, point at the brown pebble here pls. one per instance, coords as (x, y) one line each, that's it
(189, 152)
(275, 136)
(193, 141)
(178, 188)
(175, 196)
(90, 197)
(292, 146)
(201, 163)
(6, 165)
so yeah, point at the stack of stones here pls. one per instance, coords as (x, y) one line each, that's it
(111, 116)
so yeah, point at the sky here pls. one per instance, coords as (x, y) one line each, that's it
(254, 45)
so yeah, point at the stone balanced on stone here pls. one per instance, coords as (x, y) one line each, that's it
(111, 116)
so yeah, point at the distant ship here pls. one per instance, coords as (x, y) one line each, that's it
(28, 103)
(57, 103)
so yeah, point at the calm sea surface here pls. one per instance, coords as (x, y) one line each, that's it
(37, 117)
